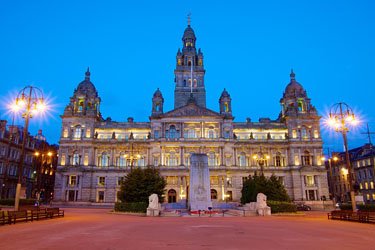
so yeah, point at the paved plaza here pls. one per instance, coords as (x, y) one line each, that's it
(83, 228)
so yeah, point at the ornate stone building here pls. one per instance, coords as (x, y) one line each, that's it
(95, 154)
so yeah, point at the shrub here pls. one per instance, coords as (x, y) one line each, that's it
(282, 207)
(366, 207)
(140, 183)
(23, 202)
(135, 207)
(272, 187)
(345, 206)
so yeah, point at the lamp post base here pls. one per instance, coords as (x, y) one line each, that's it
(18, 195)
(354, 204)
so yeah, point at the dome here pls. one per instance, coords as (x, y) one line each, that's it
(189, 33)
(158, 93)
(294, 88)
(86, 86)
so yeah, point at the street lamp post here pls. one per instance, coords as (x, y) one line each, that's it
(30, 101)
(261, 159)
(341, 116)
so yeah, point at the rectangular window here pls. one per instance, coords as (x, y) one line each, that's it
(100, 196)
(214, 180)
(310, 181)
(65, 133)
(120, 180)
(72, 180)
(101, 180)
(296, 160)
(156, 134)
(88, 133)
(86, 159)
(294, 134)
(229, 181)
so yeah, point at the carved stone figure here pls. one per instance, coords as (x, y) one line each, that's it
(153, 201)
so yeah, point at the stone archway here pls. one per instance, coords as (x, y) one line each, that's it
(172, 196)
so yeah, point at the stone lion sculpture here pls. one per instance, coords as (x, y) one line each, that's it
(153, 201)
(262, 208)
(261, 200)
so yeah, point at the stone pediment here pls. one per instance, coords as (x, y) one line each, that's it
(191, 109)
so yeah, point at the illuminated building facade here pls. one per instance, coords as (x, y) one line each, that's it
(362, 160)
(39, 166)
(95, 154)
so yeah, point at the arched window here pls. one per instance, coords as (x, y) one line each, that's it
(189, 62)
(304, 134)
(172, 159)
(300, 105)
(77, 132)
(121, 160)
(279, 161)
(76, 158)
(213, 194)
(226, 107)
(211, 133)
(211, 159)
(306, 159)
(172, 132)
(172, 196)
(242, 159)
(195, 83)
(191, 133)
(104, 160)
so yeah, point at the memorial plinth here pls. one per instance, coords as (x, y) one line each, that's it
(200, 192)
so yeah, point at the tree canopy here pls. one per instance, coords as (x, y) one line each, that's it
(140, 183)
(272, 187)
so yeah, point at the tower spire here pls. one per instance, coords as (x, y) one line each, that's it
(87, 74)
(292, 75)
(189, 19)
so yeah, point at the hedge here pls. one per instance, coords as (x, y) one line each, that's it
(135, 207)
(23, 202)
(282, 207)
(366, 207)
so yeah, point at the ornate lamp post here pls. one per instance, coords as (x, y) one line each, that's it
(341, 116)
(261, 158)
(30, 101)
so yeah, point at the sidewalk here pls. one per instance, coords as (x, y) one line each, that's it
(83, 228)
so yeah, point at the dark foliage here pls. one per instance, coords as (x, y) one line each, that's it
(139, 184)
(272, 187)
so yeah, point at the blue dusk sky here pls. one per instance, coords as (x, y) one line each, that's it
(249, 48)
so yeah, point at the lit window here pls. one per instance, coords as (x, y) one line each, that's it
(121, 160)
(77, 132)
(101, 180)
(366, 185)
(104, 160)
(243, 160)
(372, 185)
(294, 134)
(211, 159)
(86, 160)
(316, 134)
(310, 180)
(72, 180)
(76, 159)
(63, 160)
(65, 133)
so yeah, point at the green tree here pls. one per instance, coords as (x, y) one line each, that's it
(272, 187)
(139, 184)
